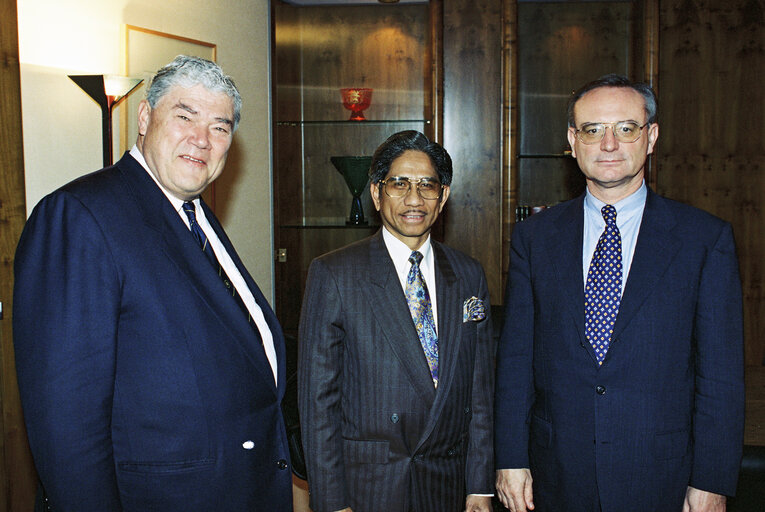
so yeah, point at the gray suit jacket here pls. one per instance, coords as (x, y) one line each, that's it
(377, 435)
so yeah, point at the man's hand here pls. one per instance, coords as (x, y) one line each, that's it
(475, 503)
(514, 489)
(697, 500)
(346, 510)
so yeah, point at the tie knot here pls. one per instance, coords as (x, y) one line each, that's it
(415, 258)
(190, 210)
(609, 214)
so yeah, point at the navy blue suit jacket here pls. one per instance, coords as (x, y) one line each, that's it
(143, 385)
(665, 410)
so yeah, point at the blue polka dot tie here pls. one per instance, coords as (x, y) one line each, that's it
(418, 299)
(603, 290)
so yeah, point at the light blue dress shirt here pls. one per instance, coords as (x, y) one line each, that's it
(629, 214)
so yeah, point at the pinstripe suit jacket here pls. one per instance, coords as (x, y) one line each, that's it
(377, 435)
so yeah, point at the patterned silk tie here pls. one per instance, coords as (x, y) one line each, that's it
(603, 290)
(199, 235)
(418, 299)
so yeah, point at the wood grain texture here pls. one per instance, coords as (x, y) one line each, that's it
(472, 114)
(510, 131)
(712, 118)
(17, 475)
(754, 429)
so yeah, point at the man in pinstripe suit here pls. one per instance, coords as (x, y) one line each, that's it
(385, 427)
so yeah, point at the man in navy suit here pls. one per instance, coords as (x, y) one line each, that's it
(151, 367)
(395, 389)
(620, 367)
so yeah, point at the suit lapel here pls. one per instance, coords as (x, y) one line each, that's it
(564, 254)
(388, 304)
(449, 316)
(654, 251)
(260, 300)
(179, 246)
(449, 293)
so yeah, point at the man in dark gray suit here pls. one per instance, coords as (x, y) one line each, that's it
(396, 355)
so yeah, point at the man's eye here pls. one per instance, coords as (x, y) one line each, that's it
(592, 130)
(627, 128)
(402, 184)
(427, 185)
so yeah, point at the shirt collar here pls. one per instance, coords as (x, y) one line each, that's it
(400, 252)
(176, 202)
(627, 206)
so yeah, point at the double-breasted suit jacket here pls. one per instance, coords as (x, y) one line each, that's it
(377, 435)
(665, 409)
(143, 385)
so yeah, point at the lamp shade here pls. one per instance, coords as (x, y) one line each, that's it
(107, 91)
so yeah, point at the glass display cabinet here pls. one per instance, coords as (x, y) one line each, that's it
(317, 52)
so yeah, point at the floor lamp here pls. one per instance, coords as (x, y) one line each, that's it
(108, 91)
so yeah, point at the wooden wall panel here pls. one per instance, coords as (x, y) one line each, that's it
(472, 50)
(17, 474)
(712, 119)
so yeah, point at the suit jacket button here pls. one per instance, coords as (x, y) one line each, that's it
(394, 418)
(601, 390)
(248, 445)
(450, 452)
(467, 410)
(282, 464)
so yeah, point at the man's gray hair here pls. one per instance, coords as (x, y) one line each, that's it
(614, 80)
(187, 71)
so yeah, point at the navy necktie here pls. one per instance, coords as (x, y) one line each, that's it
(603, 290)
(196, 230)
(418, 299)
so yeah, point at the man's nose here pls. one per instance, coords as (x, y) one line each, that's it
(609, 142)
(200, 137)
(413, 196)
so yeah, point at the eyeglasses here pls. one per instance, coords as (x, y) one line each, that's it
(624, 131)
(399, 186)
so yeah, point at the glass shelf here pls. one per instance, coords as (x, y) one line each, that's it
(376, 122)
(329, 224)
(567, 154)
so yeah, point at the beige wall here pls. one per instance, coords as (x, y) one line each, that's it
(62, 125)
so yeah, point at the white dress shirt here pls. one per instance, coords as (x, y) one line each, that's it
(225, 261)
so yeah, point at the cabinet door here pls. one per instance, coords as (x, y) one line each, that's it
(317, 51)
(553, 48)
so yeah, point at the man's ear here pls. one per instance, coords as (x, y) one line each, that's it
(653, 136)
(444, 196)
(374, 191)
(144, 116)
(571, 136)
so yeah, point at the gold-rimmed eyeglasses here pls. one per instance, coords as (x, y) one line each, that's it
(624, 131)
(399, 186)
